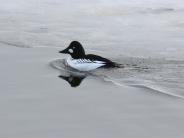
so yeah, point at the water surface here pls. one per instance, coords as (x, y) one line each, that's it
(145, 36)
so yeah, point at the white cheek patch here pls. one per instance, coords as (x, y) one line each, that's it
(70, 50)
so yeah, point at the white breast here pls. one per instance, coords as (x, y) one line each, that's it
(84, 64)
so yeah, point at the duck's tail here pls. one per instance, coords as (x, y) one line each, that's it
(117, 65)
(113, 65)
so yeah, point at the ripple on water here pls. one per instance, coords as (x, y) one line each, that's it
(164, 76)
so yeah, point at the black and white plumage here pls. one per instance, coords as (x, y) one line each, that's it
(83, 62)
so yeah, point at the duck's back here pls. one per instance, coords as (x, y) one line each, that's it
(107, 63)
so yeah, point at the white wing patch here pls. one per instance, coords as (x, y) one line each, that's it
(84, 64)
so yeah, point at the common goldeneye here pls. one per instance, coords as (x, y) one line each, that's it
(83, 62)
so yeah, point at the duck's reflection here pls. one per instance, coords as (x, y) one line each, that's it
(72, 79)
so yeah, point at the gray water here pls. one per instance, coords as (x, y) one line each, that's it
(145, 36)
(163, 76)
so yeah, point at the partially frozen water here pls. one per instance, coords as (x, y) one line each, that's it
(146, 36)
(126, 31)
(164, 76)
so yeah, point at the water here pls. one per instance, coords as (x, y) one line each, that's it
(146, 36)
(163, 76)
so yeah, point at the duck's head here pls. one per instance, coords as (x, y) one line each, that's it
(75, 49)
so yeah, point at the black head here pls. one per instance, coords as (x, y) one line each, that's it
(75, 49)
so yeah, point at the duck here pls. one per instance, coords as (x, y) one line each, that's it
(81, 61)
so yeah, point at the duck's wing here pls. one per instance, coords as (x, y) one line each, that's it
(106, 62)
(96, 58)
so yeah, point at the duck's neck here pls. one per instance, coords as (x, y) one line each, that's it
(78, 55)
